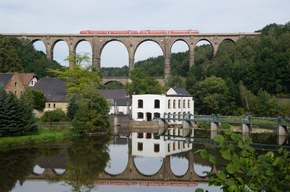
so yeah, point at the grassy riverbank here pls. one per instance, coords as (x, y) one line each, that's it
(40, 136)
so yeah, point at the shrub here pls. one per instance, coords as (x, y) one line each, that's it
(54, 116)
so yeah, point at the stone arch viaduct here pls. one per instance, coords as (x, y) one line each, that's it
(130, 173)
(132, 42)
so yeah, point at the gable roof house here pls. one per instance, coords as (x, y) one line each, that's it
(118, 100)
(54, 91)
(12, 83)
(28, 79)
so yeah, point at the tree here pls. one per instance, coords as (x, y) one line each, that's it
(93, 112)
(38, 99)
(249, 100)
(27, 120)
(77, 76)
(16, 116)
(175, 81)
(9, 60)
(209, 95)
(142, 83)
(246, 170)
(72, 107)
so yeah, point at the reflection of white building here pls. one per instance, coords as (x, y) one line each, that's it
(176, 103)
(150, 145)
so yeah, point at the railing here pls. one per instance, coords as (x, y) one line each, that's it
(228, 119)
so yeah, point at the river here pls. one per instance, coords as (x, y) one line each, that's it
(140, 162)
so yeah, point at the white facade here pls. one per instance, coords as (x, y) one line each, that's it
(32, 82)
(146, 145)
(147, 106)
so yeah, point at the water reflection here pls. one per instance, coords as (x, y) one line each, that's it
(143, 161)
(118, 159)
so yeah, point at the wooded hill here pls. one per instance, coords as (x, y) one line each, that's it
(242, 77)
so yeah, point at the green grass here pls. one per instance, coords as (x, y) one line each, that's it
(37, 137)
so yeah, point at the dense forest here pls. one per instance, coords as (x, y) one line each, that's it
(19, 55)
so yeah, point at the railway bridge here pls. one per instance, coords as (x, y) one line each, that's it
(131, 42)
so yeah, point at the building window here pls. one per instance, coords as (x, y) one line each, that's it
(148, 135)
(156, 115)
(140, 115)
(156, 148)
(184, 104)
(15, 84)
(168, 147)
(179, 103)
(156, 103)
(140, 135)
(54, 105)
(49, 105)
(169, 103)
(140, 146)
(140, 103)
(174, 103)
(188, 103)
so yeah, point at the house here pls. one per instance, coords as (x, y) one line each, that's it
(12, 83)
(118, 100)
(176, 102)
(28, 79)
(54, 91)
(150, 145)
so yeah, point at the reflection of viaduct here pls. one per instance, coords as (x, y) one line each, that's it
(130, 173)
(132, 42)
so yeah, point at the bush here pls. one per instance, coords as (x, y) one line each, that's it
(54, 116)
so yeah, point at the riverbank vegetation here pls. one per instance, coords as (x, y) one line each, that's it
(39, 136)
(242, 169)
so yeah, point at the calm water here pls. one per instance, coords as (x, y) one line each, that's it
(141, 162)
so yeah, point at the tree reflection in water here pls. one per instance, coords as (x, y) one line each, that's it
(87, 158)
(15, 165)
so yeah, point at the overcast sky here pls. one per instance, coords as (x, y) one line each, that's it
(71, 16)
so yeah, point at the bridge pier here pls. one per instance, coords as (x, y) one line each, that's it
(246, 128)
(215, 126)
(282, 130)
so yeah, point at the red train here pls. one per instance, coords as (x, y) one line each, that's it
(161, 32)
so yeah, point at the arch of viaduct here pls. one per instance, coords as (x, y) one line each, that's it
(132, 42)
(131, 172)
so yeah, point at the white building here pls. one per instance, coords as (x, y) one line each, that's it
(175, 103)
(149, 145)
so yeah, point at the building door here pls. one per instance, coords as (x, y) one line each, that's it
(148, 116)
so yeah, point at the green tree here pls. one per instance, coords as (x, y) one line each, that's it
(93, 112)
(9, 60)
(77, 76)
(26, 117)
(72, 107)
(249, 100)
(209, 95)
(175, 81)
(38, 99)
(243, 169)
(142, 83)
